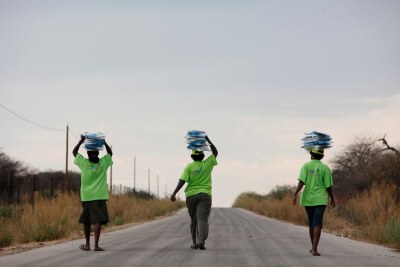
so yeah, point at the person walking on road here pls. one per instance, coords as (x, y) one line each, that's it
(94, 191)
(198, 193)
(317, 179)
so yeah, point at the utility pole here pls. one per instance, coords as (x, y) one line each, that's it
(158, 193)
(66, 180)
(134, 174)
(148, 178)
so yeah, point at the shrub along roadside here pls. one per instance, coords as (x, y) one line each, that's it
(52, 219)
(372, 216)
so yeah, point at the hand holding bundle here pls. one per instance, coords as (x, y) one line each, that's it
(93, 141)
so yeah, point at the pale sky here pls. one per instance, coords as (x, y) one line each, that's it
(255, 75)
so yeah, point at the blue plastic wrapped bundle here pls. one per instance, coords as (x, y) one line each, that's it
(316, 140)
(196, 140)
(93, 141)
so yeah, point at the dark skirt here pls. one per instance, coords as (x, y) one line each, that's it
(94, 212)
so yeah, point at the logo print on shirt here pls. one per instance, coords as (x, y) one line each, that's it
(311, 172)
(197, 172)
(93, 167)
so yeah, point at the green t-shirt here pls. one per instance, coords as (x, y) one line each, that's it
(198, 176)
(93, 177)
(317, 177)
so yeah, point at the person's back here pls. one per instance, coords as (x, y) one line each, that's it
(316, 177)
(198, 176)
(93, 177)
(94, 191)
(198, 193)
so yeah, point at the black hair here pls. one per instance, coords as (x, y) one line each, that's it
(93, 156)
(93, 152)
(316, 156)
(197, 157)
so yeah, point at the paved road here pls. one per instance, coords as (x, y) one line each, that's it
(237, 238)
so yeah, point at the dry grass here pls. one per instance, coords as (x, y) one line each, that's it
(52, 219)
(376, 215)
(372, 216)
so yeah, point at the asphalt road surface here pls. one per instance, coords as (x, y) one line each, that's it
(237, 238)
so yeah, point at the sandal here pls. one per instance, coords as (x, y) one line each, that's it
(99, 249)
(84, 247)
(315, 253)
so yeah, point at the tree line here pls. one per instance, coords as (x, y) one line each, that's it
(366, 162)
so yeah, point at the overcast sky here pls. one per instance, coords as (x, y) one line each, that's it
(255, 75)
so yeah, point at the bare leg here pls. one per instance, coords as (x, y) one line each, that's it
(87, 234)
(97, 231)
(316, 237)
(311, 230)
(86, 228)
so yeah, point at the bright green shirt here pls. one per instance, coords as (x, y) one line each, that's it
(317, 177)
(93, 177)
(198, 176)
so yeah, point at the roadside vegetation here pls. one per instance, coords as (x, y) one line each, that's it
(57, 217)
(367, 193)
(34, 207)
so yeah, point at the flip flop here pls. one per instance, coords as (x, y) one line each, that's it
(315, 253)
(84, 247)
(99, 249)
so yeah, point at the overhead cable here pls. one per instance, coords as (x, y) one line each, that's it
(34, 123)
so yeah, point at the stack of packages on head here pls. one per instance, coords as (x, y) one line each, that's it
(316, 141)
(196, 141)
(93, 141)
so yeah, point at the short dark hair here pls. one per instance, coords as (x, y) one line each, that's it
(316, 156)
(93, 152)
(197, 157)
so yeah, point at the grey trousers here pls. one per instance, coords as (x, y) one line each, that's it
(199, 208)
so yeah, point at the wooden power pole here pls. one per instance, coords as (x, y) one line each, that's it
(148, 181)
(158, 188)
(66, 180)
(134, 174)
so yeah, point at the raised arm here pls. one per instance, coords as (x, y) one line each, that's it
(213, 148)
(108, 148)
(76, 148)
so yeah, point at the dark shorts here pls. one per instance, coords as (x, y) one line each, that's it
(94, 212)
(315, 215)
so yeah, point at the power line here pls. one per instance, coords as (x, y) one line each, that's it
(34, 123)
(69, 129)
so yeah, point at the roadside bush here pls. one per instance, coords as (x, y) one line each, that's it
(50, 219)
(6, 236)
(372, 215)
(392, 230)
(281, 191)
